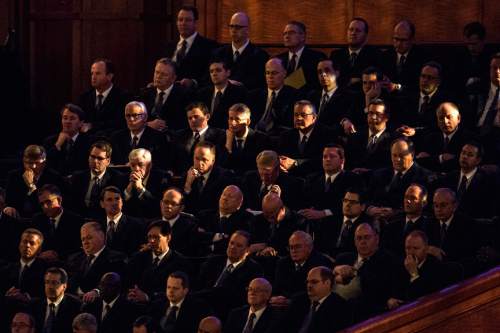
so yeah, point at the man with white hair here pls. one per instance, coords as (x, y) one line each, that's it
(137, 135)
(84, 323)
(146, 185)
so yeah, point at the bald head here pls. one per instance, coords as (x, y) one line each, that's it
(210, 325)
(239, 28)
(230, 200)
(273, 208)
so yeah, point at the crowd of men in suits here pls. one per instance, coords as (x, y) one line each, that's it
(221, 199)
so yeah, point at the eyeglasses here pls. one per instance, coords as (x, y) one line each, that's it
(296, 247)
(375, 114)
(99, 158)
(134, 115)
(302, 114)
(37, 162)
(171, 203)
(237, 26)
(352, 202)
(428, 77)
(54, 283)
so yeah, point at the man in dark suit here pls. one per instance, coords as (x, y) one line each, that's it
(54, 313)
(243, 143)
(403, 62)
(299, 56)
(256, 317)
(369, 147)
(123, 233)
(60, 227)
(87, 267)
(440, 149)
(217, 225)
(245, 60)
(272, 107)
(387, 185)
(20, 192)
(476, 189)
(291, 270)
(114, 313)
(223, 279)
(184, 141)
(423, 273)
(148, 269)
(180, 311)
(146, 185)
(184, 236)
(221, 94)
(67, 150)
(86, 185)
(412, 218)
(104, 102)
(165, 100)
(191, 51)
(325, 190)
(300, 148)
(138, 135)
(321, 310)
(204, 181)
(358, 56)
(256, 184)
(365, 276)
(331, 101)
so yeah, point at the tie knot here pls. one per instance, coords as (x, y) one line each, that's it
(273, 94)
(252, 316)
(100, 96)
(230, 268)
(174, 308)
(184, 43)
(314, 305)
(348, 223)
(196, 135)
(90, 257)
(53, 220)
(426, 98)
(52, 306)
(162, 93)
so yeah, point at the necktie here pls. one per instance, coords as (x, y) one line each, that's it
(98, 105)
(324, 102)
(352, 58)
(238, 145)
(198, 184)
(22, 272)
(216, 101)
(250, 322)
(88, 263)
(292, 64)
(196, 139)
(49, 323)
(156, 261)
(308, 318)
(266, 122)
(110, 232)
(302, 145)
(158, 105)
(371, 143)
(236, 56)
(425, 104)
(462, 188)
(490, 116)
(69, 145)
(223, 224)
(444, 230)
(135, 142)
(344, 236)
(92, 197)
(52, 227)
(223, 276)
(181, 53)
(263, 191)
(328, 183)
(401, 63)
(105, 311)
(396, 182)
(169, 322)
(446, 142)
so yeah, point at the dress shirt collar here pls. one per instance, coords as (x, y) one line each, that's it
(242, 48)
(104, 94)
(115, 219)
(110, 303)
(189, 41)
(202, 132)
(56, 303)
(138, 135)
(377, 135)
(332, 177)
(166, 92)
(161, 256)
(270, 92)
(257, 313)
(430, 95)
(447, 222)
(329, 93)
(26, 263)
(171, 221)
(298, 53)
(468, 175)
(235, 264)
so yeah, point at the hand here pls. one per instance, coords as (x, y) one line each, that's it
(436, 252)
(49, 256)
(29, 177)
(186, 83)
(90, 297)
(345, 272)
(312, 214)
(136, 179)
(423, 154)
(145, 247)
(360, 171)
(229, 140)
(237, 83)
(191, 175)
(406, 130)
(374, 92)
(86, 127)
(411, 265)
(279, 301)
(447, 156)
(275, 189)
(378, 212)
(61, 139)
(268, 252)
(17, 295)
(393, 303)
(287, 163)
(12, 212)
(348, 127)
(137, 295)
(157, 124)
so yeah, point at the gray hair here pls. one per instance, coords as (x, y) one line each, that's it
(140, 153)
(85, 321)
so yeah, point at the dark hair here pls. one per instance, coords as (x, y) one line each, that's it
(110, 67)
(168, 62)
(411, 146)
(206, 144)
(478, 145)
(335, 66)
(374, 70)
(410, 25)
(198, 105)
(63, 276)
(219, 61)
(475, 28)
(33, 231)
(73, 108)
(243, 233)
(102, 145)
(338, 146)
(422, 188)
(51, 188)
(191, 9)
(436, 65)
(298, 24)
(146, 321)
(165, 228)
(182, 276)
(176, 189)
(360, 192)
(420, 234)
(362, 20)
(381, 102)
(326, 274)
(112, 189)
